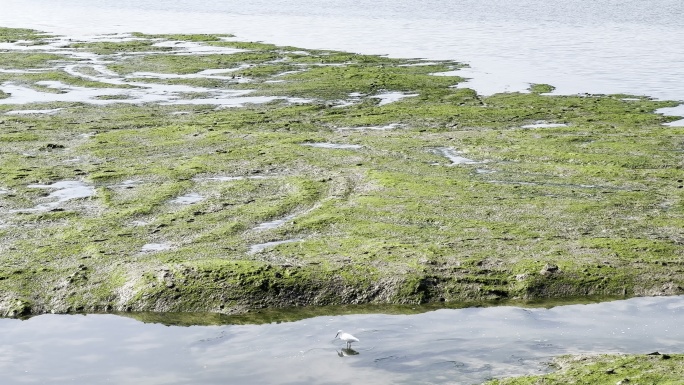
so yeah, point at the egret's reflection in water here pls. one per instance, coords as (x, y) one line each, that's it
(465, 346)
(347, 352)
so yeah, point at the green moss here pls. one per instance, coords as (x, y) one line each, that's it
(336, 82)
(541, 88)
(108, 48)
(609, 369)
(28, 60)
(187, 64)
(11, 35)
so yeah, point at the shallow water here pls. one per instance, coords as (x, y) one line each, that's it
(336, 146)
(542, 124)
(188, 199)
(454, 156)
(391, 97)
(61, 192)
(601, 46)
(274, 223)
(263, 246)
(464, 346)
(230, 178)
(152, 247)
(34, 112)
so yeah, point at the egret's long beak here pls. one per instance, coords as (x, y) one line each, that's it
(338, 333)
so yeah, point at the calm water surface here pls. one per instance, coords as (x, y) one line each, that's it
(465, 346)
(601, 46)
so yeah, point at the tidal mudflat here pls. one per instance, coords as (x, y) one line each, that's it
(212, 158)
(199, 173)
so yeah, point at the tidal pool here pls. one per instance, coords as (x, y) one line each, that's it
(462, 346)
(543, 124)
(454, 156)
(188, 199)
(263, 246)
(62, 191)
(391, 97)
(274, 223)
(152, 247)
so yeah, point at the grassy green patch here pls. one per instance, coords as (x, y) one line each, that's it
(609, 370)
(11, 35)
(541, 88)
(187, 64)
(108, 48)
(27, 60)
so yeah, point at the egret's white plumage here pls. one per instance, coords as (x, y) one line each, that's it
(346, 337)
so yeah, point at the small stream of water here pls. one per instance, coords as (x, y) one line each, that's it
(448, 346)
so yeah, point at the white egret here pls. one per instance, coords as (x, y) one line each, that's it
(346, 337)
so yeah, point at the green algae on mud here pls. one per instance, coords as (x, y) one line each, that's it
(13, 35)
(654, 368)
(200, 208)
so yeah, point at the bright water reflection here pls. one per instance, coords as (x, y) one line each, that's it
(463, 346)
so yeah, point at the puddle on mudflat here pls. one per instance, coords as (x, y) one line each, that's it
(275, 223)
(63, 191)
(153, 247)
(37, 112)
(544, 124)
(454, 156)
(228, 178)
(391, 97)
(448, 346)
(390, 126)
(139, 223)
(128, 183)
(354, 98)
(334, 146)
(188, 199)
(263, 246)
